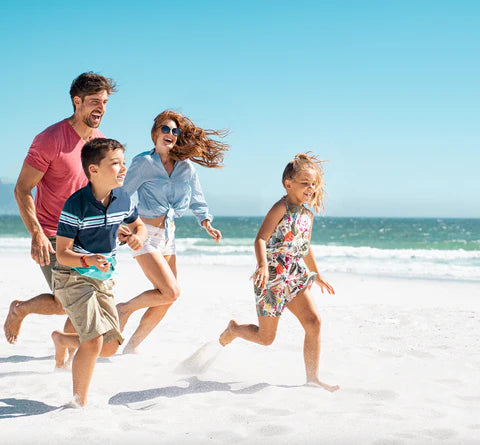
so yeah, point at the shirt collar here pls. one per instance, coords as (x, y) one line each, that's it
(88, 193)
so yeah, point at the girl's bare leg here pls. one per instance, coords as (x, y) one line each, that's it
(263, 334)
(303, 307)
(161, 271)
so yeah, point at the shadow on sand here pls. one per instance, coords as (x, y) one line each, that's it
(23, 407)
(195, 386)
(24, 358)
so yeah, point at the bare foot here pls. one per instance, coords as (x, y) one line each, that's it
(60, 351)
(227, 336)
(13, 322)
(122, 315)
(130, 350)
(318, 384)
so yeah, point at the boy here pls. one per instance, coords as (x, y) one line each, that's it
(86, 247)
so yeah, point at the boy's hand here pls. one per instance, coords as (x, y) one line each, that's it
(260, 277)
(324, 285)
(99, 261)
(134, 242)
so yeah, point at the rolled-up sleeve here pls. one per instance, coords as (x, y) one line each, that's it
(134, 178)
(198, 205)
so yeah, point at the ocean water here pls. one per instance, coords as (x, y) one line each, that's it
(398, 247)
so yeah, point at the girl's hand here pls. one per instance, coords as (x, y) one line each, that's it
(214, 233)
(260, 277)
(134, 242)
(99, 261)
(324, 285)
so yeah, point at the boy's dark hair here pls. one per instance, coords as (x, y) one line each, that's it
(96, 149)
(91, 83)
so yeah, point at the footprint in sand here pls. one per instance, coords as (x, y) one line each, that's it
(440, 433)
(273, 430)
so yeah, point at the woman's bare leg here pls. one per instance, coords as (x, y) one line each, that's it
(161, 271)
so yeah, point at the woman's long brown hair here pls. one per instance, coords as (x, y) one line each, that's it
(193, 143)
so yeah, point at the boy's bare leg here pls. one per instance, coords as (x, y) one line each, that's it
(64, 342)
(69, 329)
(83, 366)
(150, 319)
(263, 334)
(44, 304)
(303, 307)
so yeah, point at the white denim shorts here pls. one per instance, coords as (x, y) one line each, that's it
(156, 242)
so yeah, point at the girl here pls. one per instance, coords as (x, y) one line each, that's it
(167, 186)
(281, 280)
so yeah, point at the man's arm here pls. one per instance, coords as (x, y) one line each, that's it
(28, 178)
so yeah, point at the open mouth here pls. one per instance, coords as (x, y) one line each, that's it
(168, 140)
(96, 117)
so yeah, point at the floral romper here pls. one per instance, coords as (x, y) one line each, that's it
(288, 244)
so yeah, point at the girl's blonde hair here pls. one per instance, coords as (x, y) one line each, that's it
(308, 161)
(193, 143)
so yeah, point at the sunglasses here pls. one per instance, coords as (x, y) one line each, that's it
(165, 129)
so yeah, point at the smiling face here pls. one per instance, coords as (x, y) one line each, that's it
(91, 108)
(111, 170)
(165, 141)
(301, 189)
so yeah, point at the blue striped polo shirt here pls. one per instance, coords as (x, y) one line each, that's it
(91, 225)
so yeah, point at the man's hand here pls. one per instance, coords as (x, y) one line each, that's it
(41, 249)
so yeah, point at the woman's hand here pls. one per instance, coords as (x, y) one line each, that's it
(214, 233)
(134, 242)
(324, 285)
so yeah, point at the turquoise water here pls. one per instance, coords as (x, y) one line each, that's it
(381, 233)
(408, 247)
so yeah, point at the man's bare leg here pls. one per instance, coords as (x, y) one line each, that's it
(43, 304)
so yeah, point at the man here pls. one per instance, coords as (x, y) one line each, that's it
(53, 166)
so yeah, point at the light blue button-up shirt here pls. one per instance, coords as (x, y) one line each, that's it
(160, 194)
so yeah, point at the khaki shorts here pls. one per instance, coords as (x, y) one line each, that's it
(89, 303)
(47, 270)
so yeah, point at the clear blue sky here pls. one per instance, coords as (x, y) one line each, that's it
(387, 91)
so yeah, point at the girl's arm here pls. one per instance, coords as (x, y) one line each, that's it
(67, 257)
(260, 277)
(311, 263)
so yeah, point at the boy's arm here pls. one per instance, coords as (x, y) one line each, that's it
(260, 277)
(67, 257)
(311, 263)
(138, 234)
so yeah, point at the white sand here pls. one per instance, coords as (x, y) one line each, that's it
(405, 352)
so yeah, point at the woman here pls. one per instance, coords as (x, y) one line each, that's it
(167, 185)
